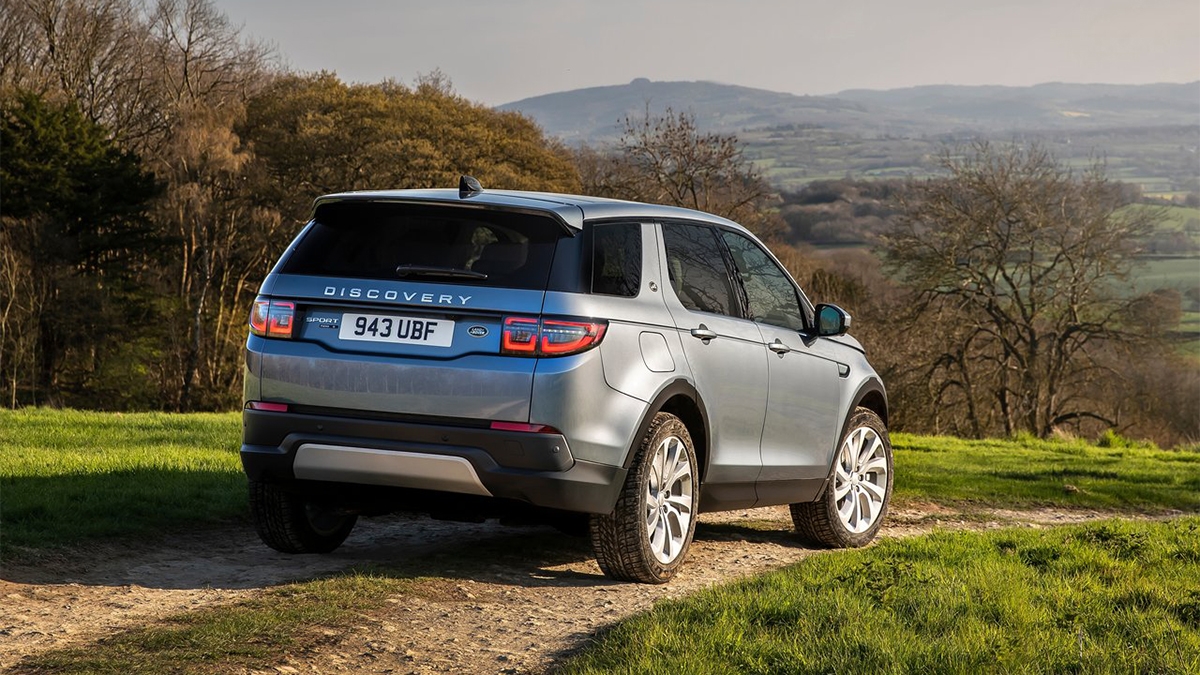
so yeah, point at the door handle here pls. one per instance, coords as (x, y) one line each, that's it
(778, 347)
(703, 333)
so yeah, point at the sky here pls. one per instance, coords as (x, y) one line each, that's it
(498, 51)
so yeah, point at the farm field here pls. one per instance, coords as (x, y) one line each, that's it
(489, 598)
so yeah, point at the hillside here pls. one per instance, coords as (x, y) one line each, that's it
(594, 113)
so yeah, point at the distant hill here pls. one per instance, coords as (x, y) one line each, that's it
(595, 113)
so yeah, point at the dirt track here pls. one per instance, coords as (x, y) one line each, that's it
(515, 612)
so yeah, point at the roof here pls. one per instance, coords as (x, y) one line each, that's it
(570, 210)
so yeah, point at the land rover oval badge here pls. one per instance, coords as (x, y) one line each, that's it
(477, 331)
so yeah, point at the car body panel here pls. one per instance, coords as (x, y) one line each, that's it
(769, 423)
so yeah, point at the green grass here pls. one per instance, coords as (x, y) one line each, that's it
(67, 477)
(1028, 472)
(945, 603)
(253, 633)
(1112, 597)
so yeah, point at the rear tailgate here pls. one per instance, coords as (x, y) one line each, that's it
(458, 372)
(366, 340)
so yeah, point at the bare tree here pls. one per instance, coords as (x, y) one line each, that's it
(668, 160)
(1015, 258)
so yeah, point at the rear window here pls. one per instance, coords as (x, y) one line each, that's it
(428, 243)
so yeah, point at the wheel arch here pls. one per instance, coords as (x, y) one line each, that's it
(872, 396)
(682, 400)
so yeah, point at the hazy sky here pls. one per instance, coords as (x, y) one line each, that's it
(496, 51)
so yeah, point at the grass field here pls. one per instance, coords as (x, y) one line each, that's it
(1029, 472)
(68, 476)
(1111, 597)
(1127, 594)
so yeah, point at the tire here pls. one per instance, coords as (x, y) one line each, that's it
(290, 523)
(850, 511)
(647, 536)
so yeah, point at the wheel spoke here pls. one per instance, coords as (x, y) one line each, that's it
(657, 534)
(846, 508)
(681, 504)
(866, 449)
(866, 512)
(876, 465)
(841, 488)
(680, 472)
(876, 491)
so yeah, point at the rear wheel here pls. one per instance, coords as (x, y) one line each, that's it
(647, 536)
(292, 524)
(851, 510)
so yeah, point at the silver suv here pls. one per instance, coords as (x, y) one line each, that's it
(624, 366)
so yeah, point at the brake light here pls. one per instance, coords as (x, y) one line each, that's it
(272, 318)
(520, 336)
(530, 336)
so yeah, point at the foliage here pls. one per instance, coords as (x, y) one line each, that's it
(316, 134)
(668, 160)
(141, 295)
(1104, 597)
(75, 211)
(1013, 257)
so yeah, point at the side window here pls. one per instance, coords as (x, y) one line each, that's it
(617, 259)
(771, 295)
(696, 265)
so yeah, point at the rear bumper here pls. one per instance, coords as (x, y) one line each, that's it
(534, 468)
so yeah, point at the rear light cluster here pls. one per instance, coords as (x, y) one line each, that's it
(272, 318)
(530, 336)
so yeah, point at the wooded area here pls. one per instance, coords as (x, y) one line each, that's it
(155, 162)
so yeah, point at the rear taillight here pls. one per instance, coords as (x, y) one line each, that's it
(520, 336)
(530, 336)
(272, 318)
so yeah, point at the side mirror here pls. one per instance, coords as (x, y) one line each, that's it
(832, 320)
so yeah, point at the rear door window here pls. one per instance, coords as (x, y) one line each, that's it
(696, 265)
(446, 244)
(617, 259)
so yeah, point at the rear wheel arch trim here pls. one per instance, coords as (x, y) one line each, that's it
(698, 424)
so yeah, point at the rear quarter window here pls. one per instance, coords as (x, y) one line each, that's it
(617, 259)
(371, 240)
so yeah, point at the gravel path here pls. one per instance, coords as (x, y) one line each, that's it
(501, 600)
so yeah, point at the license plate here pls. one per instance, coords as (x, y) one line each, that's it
(402, 330)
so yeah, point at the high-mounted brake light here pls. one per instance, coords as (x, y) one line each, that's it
(272, 318)
(529, 336)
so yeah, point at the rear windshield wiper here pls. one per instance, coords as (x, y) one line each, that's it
(428, 271)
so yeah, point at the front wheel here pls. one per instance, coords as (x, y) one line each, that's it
(647, 535)
(292, 524)
(850, 511)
